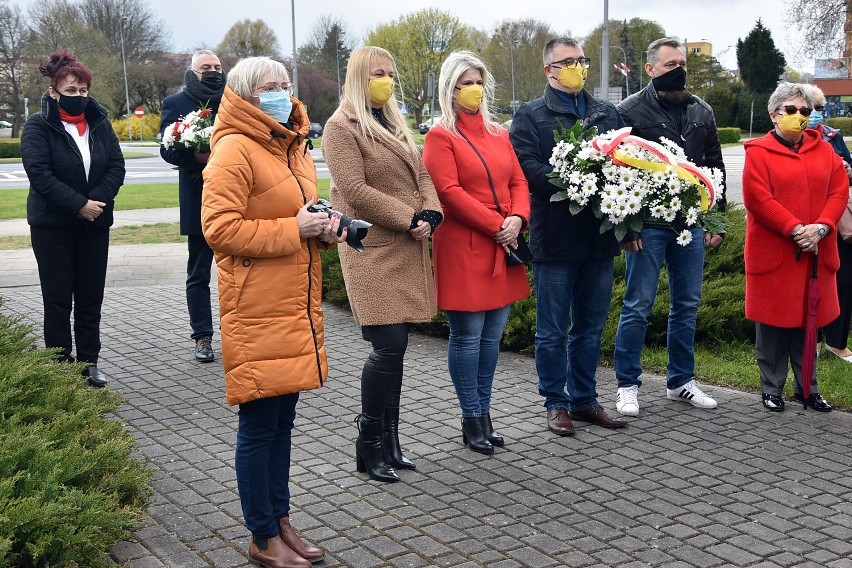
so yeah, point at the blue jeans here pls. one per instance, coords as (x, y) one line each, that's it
(579, 293)
(472, 356)
(685, 267)
(263, 461)
(198, 286)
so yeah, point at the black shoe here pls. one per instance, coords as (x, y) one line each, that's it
(369, 453)
(474, 437)
(204, 350)
(815, 401)
(773, 402)
(390, 441)
(488, 429)
(94, 377)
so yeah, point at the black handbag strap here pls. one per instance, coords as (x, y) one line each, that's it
(487, 171)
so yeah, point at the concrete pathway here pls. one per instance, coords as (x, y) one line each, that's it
(680, 487)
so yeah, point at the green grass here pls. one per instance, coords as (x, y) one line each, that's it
(13, 202)
(135, 235)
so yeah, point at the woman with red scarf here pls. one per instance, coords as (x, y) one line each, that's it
(75, 167)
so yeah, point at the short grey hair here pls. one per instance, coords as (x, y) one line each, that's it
(249, 71)
(786, 91)
(816, 94)
(654, 47)
(200, 52)
(547, 52)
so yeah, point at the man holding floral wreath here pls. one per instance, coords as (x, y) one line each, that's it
(204, 85)
(572, 260)
(665, 109)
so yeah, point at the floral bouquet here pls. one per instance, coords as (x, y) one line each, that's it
(628, 180)
(191, 132)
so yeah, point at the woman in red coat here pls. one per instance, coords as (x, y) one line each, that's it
(474, 168)
(795, 189)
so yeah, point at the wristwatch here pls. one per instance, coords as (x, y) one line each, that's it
(822, 230)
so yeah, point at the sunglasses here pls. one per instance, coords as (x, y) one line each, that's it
(790, 109)
(820, 108)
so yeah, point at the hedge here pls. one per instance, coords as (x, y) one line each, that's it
(10, 148)
(842, 123)
(729, 135)
(69, 487)
(721, 317)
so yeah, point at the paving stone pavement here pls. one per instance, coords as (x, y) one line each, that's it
(679, 487)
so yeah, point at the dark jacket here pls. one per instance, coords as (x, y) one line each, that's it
(555, 234)
(54, 166)
(834, 137)
(653, 120)
(190, 181)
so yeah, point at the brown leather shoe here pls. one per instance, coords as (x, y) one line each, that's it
(597, 415)
(276, 555)
(300, 547)
(559, 421)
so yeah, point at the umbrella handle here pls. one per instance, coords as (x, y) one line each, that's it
(816, 264)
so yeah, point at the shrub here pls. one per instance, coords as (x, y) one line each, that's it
(729, 135)
(758, 101)
(149, 124)
(69, 488)
(721, 318)
(10, 148)
(842, 123)
(724, 99)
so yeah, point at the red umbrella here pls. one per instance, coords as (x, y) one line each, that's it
(809, 349)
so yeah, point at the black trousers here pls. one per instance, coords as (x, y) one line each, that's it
(381, 378)
(198, 286)
(72, 266)
(837, 332)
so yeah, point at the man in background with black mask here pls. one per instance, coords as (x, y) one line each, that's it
(204, 85)
(665, 109)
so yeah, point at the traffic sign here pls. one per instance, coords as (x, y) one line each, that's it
(139, 112)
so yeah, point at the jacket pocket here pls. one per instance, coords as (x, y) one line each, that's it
(379, 237)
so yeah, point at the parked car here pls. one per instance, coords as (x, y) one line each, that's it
(316, 130)
(430, 122)
(5, 124)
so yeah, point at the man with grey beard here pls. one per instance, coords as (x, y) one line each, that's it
(666, 109)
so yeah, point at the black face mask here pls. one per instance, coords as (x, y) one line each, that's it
(674, 80)
(211, 79)
(73, 105)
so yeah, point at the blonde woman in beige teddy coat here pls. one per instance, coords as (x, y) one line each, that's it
(378, 176)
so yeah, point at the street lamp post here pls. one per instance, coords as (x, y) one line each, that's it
(126, 90)
(295, 66)
(512, 67)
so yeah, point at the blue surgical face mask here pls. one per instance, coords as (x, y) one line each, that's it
(814, 119)
(277, 105)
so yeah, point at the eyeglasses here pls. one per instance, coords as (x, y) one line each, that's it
(571, 62)
(791, 109)
(274, 88)
(819, 108)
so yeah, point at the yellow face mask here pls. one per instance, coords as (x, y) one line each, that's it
(573, 77)
(793, 123)
(470, 97)
(381, 90)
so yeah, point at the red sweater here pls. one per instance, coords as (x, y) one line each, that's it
(782, 189)
(470, 267)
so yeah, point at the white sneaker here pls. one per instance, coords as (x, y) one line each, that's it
(627, 401)
(692, 394)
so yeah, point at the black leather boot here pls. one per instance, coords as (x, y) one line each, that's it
(390, 441)
(474, 437)
(492, 436)
(369, 455)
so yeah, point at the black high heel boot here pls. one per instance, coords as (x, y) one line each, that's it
(390, 439)
(369, 455)
(492, 436)
(474, 437)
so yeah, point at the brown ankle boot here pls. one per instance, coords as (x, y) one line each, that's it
(294, 541)
(276, 555)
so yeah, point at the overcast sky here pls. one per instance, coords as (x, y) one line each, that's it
(204, 23)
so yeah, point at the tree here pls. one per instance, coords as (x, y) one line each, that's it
(131, 20)
(705, 71)
(420, 42)
(822, 24)
(249, 38)
(327, 51)
(634, 36)
(760, 62)
(513, 55)
(12, 62)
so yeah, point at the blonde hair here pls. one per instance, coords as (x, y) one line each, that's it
(456, 65)
(249, 71)
(357, 92)
(816, 94)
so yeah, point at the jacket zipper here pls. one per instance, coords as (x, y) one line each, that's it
(310, 276)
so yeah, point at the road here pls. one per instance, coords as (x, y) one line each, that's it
(139, 170)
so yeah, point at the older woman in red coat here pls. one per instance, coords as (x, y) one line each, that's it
(474, 168)
(794, 189)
